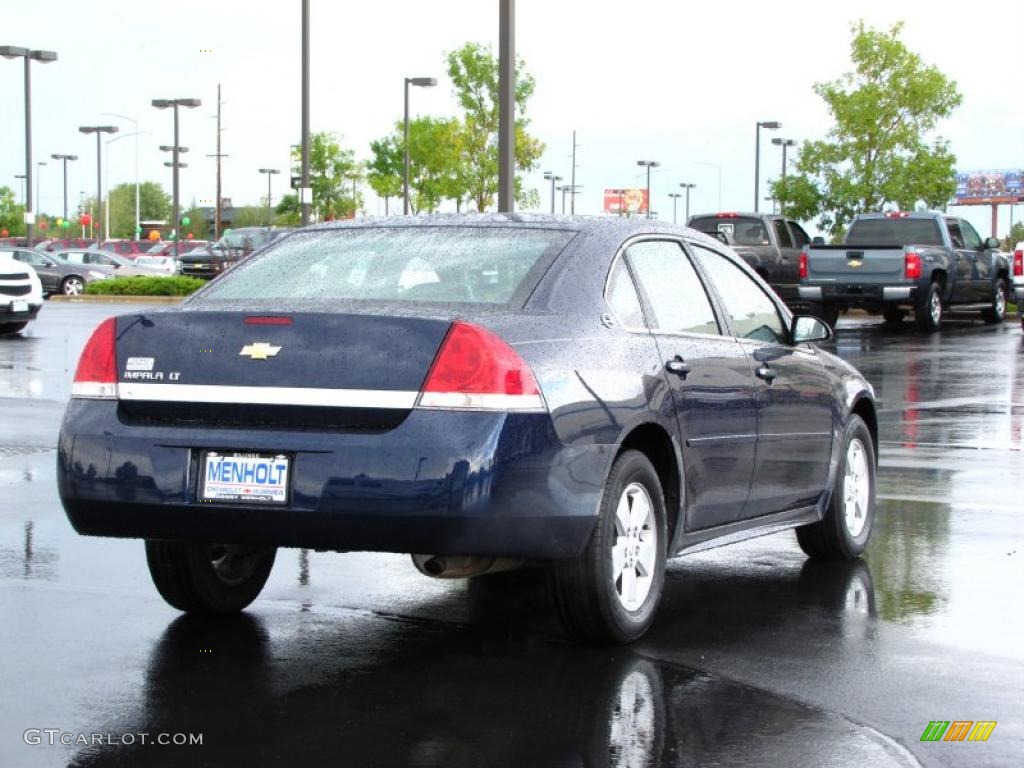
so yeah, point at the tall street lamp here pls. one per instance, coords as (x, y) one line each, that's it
(99, 130)
(65, 159)
(39, 183)
(270, 173)
(134, 122)
(13, 52)
(687, 186)
(675, 199)
(648, 164)
(175, 165)
(419, 82)
(552, 178)
(23, 177)
(784, 143)
(771, 125)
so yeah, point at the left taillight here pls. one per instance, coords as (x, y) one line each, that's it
(803, 265)
(96, 375)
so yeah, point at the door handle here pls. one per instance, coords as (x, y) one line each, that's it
(678, 366)
(766, 373)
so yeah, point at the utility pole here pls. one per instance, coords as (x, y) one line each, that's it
(572, 183)
(219, 155)
(305, 194)
(506, 106)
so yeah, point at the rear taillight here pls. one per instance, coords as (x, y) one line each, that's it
(897, 215)
(1018, 263)
(912, 266)
(96, 375)
(803, 265)
(477, 370)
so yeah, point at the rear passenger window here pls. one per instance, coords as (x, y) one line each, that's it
(752, 314)
(800, 237)
(785, 241)
(672, 287)
(622, 297)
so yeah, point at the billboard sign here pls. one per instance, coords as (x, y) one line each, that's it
(990, 187)
(625, 202)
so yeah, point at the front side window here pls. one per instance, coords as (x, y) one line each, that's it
(971, 236)
(673, 289)
(782, 234)
(752, 314)
(956, 237)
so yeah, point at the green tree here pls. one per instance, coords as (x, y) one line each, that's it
(384, 169)
(1015, 236)
(474, 74)
(154, 205)
(287, 213)
(11, 214)
(876, 154)
(249, 216)
(334, 176)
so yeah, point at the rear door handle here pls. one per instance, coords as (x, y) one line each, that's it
(766, 373)
(678, 366)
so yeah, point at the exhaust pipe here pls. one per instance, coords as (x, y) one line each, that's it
(463, 566)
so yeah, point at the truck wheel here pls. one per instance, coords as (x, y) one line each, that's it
(844, 531)
(208, 578)
(611, 592)
(893, 314)
(928, 310)
(997, 311)
(9, 329)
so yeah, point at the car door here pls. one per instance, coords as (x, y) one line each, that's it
(795, 419)
(981, 263)
(47, 270)
(787, 271)
(963, 290)
(710, 379)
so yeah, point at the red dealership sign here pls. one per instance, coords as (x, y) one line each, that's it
(625, 202)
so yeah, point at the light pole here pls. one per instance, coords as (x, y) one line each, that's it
(65, 158)
(675, 199)
(771, 125)
(270, 173)
(98, 130)
(648, 164)
(22, 176)
(506, 106)
(552, 178)
(106, 179)
(687, 186)
(13, 52)
(175, 165)
(419, 82)
(134, 122)
(784, 143)
(39, 183)
(563, 190)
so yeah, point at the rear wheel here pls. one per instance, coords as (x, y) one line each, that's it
(9, 329)
(928, 309)
(208, 578)
(611, 592)
(893, 314)
(72, 285)
(844, 531)
(997, 311)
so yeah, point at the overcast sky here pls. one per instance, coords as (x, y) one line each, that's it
(680, 83)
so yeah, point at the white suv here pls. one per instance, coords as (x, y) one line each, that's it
(1018, 280)
(21, 294)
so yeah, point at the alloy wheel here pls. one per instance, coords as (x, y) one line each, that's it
(634, 548)
(856, 488)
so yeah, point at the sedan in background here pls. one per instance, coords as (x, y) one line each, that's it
(166, 265)
(590, 396)
(58, 276)
(121, 266)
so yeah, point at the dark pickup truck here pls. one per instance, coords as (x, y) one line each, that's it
(770, 244)
(209, 261)
(892, 263)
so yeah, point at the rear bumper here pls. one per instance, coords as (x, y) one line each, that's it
(439, 483)
(857, 293)
(1018, 294)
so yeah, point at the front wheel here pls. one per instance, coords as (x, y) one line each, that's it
(611, 592)
(72, 286)
(997, 311)
(928, 310)
(208, 578)
(844, 531)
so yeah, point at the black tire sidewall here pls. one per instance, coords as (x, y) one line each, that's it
(923, 308)
(851, 546)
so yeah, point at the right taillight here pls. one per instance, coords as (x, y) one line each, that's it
(912, 266)
(803, 265)
(96, 375)
(477, 370)
(1018, 263)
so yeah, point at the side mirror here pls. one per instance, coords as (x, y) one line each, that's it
(992, 242)
(819, 240)
(806, 328)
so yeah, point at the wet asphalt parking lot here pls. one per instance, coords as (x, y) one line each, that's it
(758, 657)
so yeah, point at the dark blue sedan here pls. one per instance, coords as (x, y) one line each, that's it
(588, 395)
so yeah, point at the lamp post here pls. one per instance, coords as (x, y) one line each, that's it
(13, 52)
(771, 125)
(65, 158)
(419, 82)
(270, 173)
(552, 178)
(134, 122)
(39, 183)
(784, 143)
(648, 164)
(22, 176)
(106, 179)
(98, 130)
(175, 165)
(675, 199)
(687, 186)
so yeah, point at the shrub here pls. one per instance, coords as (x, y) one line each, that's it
(177, 285)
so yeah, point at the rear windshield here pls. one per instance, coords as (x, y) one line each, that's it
(894, 232)
(739, 230)
(461, 265)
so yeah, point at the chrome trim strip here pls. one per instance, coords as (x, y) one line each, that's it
(309, 396)
(890, 292)
(810, 292)
(480, 402)
(695, 441)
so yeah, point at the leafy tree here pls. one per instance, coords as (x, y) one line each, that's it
(11, 214)
(334, 176)
(474, 74)
(1015, 236)
(249, 216)
(154, 205)
(385, 167)
(288, 213)
(876, 154)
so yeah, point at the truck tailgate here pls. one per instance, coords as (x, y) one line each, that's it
(856, 264)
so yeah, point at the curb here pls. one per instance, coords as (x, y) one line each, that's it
(100, 299)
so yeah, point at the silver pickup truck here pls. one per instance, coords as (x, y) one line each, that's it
(892, 263)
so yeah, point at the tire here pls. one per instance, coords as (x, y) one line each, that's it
(72, 285)
(208, 579)
(893, 314)
(928, 309)
(844, 531)
(997, 312)
(9, 329)
(611, 592)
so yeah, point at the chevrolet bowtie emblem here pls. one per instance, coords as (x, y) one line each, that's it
(259, 351)
(854, 263)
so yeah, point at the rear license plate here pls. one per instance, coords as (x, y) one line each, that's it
(249, 478)
(19, 306)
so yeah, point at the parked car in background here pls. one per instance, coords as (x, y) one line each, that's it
(50, 246)
(924, 262)
(121, 266)
(127, 248)
(591, 396)
(234, 246)
(167, 265)
(58, 276)
(770, 244)
(1018, 280)
(165, 248)
(21, 294)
